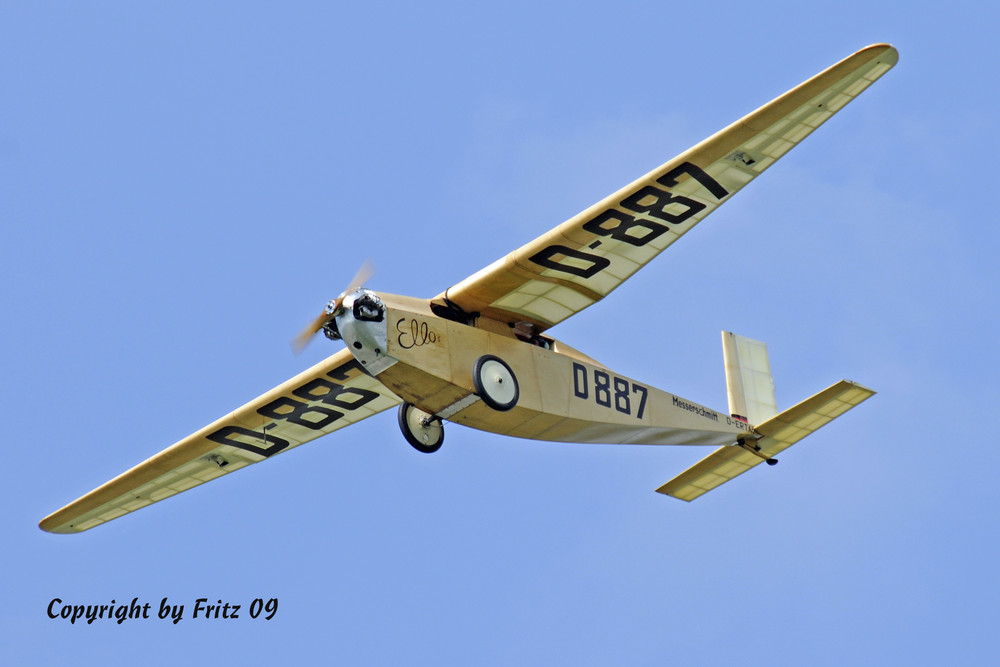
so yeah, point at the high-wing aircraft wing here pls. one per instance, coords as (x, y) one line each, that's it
(582, 260)
(332, 394)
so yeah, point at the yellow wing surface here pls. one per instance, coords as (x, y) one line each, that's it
(332, 394)
(582, 260)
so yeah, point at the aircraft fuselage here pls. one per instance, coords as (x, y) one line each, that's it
(561, 395)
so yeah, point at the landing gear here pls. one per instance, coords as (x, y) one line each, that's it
(495, 383)
(422, 430)
(755, 450)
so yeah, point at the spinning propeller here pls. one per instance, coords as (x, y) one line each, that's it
(332, 309)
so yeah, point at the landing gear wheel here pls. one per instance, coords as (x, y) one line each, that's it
(495, 383)
(422, 430)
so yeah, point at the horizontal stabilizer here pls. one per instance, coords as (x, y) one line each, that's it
(778, 433)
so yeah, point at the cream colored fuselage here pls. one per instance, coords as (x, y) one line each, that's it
(564, 395)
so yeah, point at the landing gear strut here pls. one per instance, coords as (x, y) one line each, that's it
(755, 450)
(422, 430)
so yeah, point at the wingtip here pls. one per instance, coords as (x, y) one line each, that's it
(888, 53)
(48, 526)
(57, 529)
(56, 524)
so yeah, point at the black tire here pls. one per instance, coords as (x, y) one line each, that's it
(427, 439)
(495, 383)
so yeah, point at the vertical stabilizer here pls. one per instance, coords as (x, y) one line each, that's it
(748, 379)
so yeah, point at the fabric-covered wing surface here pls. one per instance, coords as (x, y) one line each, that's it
(332, 394)
(585, 258)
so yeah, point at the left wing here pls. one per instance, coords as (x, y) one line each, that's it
(332, 394)
(582, 260)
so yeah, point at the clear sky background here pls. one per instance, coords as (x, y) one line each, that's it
(184, 184)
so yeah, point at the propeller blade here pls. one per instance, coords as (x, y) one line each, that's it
(366, 271)
(299, 342)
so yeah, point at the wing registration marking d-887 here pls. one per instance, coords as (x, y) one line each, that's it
(637, 221)
(314, 405)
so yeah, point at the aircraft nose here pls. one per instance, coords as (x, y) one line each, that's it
(367, 307)
(362, 324)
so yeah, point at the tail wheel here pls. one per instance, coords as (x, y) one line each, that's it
(422, 430)
(495, 383)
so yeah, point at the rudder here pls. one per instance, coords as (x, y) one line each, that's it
(749, 384)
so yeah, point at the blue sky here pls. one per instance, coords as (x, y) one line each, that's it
(183, 185)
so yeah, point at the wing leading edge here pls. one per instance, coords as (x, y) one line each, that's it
(582, 260)
(332, 394)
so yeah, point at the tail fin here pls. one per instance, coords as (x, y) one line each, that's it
(748, 379)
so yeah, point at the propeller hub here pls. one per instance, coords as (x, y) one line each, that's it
(326, 322)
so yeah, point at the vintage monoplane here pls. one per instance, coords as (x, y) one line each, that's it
(478, 354)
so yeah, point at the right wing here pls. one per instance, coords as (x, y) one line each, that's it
(582, 260)
(332, 394)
